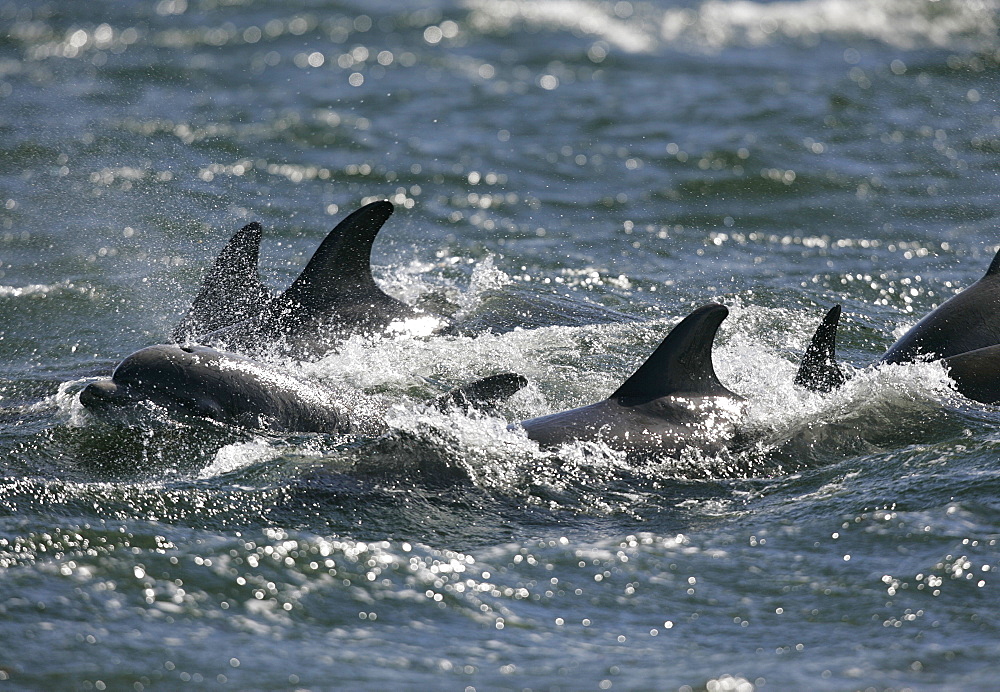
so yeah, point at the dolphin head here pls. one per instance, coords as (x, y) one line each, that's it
(104, 394)
(167, 376)
(204, 382)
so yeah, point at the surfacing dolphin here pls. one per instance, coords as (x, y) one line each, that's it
(966, 322)
(202, 382)
(334, 297)
(963, 333)
(673, 402)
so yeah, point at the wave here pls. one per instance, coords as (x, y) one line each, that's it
(718, 24)
(905, 24)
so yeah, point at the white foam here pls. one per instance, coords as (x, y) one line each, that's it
(717, 24)
(901, 23)
(597, 19)
(66, 401)
(486, 277)
(239, 455)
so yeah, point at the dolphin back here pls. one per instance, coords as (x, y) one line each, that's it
(966, 322)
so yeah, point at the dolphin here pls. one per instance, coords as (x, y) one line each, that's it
(229, 388)
(966, 322)
(964, 333)
(976, 373)
(674, 401)
(199, 381)
(335, 295)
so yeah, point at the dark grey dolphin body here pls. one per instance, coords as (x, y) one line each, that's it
(976, 373)
(963, 332)
(229, 388)
(335, 296)
(674, 401)
(966, 322)
(226, 387)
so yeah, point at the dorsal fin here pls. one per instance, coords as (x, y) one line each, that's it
(819, 371)
(340, 269)
(994, 266)
(682, 364)
(482, 394)
(231, 291)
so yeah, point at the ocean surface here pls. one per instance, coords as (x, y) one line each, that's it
(571, 178)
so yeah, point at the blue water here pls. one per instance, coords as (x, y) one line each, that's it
(570, 179)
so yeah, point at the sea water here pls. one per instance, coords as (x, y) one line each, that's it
(571, 178)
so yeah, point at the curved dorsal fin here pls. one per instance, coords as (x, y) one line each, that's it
(483, 393)
(819, 371)
(682, 364)
(341, 266)
(994, 266)
(231, 291)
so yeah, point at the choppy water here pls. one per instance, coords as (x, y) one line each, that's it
(571, 178)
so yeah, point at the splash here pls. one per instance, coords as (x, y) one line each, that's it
(42, 290)
(486, 277)
(240, 455)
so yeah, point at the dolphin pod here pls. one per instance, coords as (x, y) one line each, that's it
(672, 402)
(334, 296)
(208, 373)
